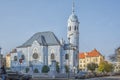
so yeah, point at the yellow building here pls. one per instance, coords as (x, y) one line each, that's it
(89, 57)
(8, 60)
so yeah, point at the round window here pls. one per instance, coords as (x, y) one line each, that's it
(35, 55)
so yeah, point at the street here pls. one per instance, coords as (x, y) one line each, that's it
(97, 78)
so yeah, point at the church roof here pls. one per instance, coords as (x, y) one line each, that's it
(43, 38)
(73, 18)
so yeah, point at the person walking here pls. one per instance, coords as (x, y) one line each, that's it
(3, 72)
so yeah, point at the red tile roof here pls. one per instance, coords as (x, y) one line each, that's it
(81, 55)
(93, 53)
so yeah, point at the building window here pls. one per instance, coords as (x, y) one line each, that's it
(96, 60)
(81, 61)
(84, 65)
(35, 56)
(80, 65)
(52, 56)
(22, 57)
(66, 56)
(69, 28)
(75, 28)
(84, 61)
(15, 58)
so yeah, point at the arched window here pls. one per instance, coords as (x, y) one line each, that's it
(15, 58)
(66, 56)
(22, 57)
(75, 28)
(52, 56)
(69, 28)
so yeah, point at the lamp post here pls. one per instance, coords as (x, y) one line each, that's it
(74, 70)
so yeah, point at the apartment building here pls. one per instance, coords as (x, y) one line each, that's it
(85, 58)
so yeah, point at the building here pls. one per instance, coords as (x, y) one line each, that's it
(117, 63)
(8, 58)
(8, 61)
(89, 57)
(44, 47)
(1, 59)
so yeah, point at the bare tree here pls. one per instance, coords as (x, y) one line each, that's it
(116, 55)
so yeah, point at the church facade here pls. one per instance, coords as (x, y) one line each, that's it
(43, 47)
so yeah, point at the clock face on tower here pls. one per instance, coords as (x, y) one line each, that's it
(35, 55)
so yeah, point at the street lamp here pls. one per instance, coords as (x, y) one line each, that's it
(74, 70)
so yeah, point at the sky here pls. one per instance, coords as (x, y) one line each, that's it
(99, 22)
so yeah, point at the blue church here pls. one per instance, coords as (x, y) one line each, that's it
(44, 47)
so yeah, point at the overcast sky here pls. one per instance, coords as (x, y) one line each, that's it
(99, 22)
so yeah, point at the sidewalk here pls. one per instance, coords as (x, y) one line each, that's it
(51, 79)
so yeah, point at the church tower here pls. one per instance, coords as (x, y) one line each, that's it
(73, 37)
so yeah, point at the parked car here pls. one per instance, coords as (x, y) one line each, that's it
(13, 75)
(81, 75)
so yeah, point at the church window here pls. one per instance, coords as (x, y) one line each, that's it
(15, 58)
(75, 28)
(22, 57)
(69, 28)
(66, 56)
(35, 55)
(52, 56)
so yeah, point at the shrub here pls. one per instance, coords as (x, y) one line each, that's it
(45, 69)
(36, 70)
(57, 67)
(27, 69)
(66, 68)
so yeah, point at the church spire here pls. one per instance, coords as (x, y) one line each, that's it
(73, 6)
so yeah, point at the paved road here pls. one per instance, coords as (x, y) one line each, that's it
(98, 78)
(106, 78)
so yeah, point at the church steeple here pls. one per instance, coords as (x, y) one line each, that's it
(73, 35)
(73, 7)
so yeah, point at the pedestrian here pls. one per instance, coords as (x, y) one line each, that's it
(3, 72)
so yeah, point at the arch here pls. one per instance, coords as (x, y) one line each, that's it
(66, 56)
(52, 56)
(75, 28)
(15, 58)
(22, 57)
(69, 28)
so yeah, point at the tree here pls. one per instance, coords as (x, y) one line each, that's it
(105, 67)
(27, 69)
(36, 70)
(66, 68)
(92, 66)
(115, 56)
(45, 69)
(57, 67)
